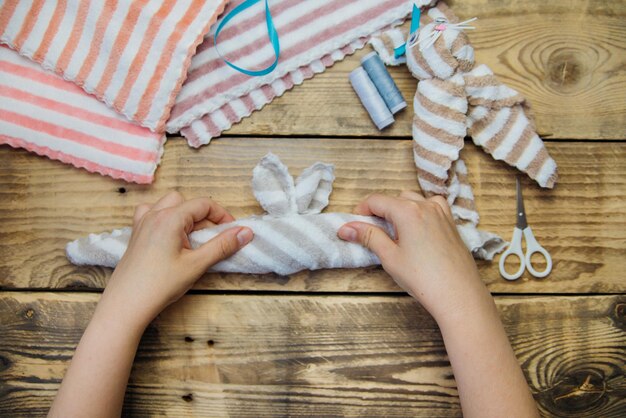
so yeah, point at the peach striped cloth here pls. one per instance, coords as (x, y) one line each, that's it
(217, 96)
(131, 54)
(44, 114)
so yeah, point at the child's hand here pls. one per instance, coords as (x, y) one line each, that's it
(428, 259)
(159, 265)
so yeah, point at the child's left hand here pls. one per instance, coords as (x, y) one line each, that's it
(159, 265)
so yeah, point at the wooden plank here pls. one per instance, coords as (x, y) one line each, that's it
(566, 56)
(315, 355)
(582, 222)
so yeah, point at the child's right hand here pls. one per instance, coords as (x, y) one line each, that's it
(428, 258)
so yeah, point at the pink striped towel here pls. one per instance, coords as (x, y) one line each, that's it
(131, 54)
(219, 96)
(42, 113)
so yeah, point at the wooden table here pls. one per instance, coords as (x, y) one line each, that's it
(349, 342)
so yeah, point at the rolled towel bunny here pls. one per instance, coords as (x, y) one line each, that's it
(294, 235)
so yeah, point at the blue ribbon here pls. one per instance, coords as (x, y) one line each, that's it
(415, 24)
(271, 33)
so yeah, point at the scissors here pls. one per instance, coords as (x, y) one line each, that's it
(532, 246)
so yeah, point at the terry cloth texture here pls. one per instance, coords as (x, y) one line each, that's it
(131, 54)
(42, 113)
(308, 30)
(202, 130)
(293, 236)
(454, 98)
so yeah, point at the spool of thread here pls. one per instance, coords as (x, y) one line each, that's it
(370, 98)
(385, 85)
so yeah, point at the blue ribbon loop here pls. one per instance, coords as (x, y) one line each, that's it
(271, 33)
(415, 24)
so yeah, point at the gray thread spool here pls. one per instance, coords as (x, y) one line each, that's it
(383, 82)
(371, 99)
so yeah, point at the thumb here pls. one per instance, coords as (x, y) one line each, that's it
(223, 245)
(370, 236)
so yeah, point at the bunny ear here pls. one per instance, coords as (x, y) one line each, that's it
(273, 186)
(313, 188)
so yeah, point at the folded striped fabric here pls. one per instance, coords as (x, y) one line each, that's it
(211, 125)
(308, 30)
(43, 113)
(131, 54)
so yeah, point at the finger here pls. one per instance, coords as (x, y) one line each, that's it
(410, 195)
(202, 208)
(369, 236)
(443, 204)
(377, 204)
(169, 200)
(222, 246)
(140, 211)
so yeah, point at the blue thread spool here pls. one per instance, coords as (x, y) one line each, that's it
(383, 82)
(371, 99)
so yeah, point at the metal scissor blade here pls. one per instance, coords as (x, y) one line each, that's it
(521, 213)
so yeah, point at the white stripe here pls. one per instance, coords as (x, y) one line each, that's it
(435, 145)
(466, 52)
(434, 169)
(477, 113)
(157, 46)
(84, 43)
(135, 42)
(417, 70)
(313, 231)
(465, 191)
(493, 128)
(466, 214)
(396, 36)
(103, 133)
(201, 132)
(439, 67)
(546, 171)
(220, 120)
(39, 29)
(63, 33)
(530, 152)
(499, 92)
(173, 70)
(480, 70)
(77, 150)
(16, 21)
(442, 97)
(427, 186)
(511, 137)
(75, 98)
(239, 107)
(447, 125)
(297, 77)
(258, 98)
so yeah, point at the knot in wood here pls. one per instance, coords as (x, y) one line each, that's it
(619, 314)
(565, 70)
(580, 391)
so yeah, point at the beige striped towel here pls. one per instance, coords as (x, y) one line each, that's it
(131, 54)
(294, 235)
(454, 98)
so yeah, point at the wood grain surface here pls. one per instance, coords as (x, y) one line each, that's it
(566, 56)
(581, 222)
(314, 355)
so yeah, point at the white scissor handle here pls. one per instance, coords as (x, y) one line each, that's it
(532, 247)
(514, 249)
